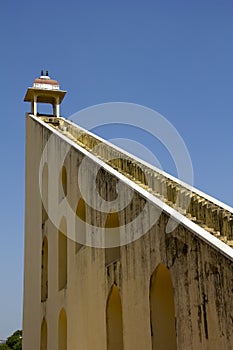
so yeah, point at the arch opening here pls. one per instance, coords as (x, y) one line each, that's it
(44, 199)
(80, 229)
(162, 310)
(44, 270)
(62, 331)
(114, 322)
(43, 335)
(63, 184)
(62, 255)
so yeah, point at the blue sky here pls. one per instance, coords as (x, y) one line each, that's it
(172, 56)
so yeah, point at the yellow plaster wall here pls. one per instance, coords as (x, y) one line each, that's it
(202, 277)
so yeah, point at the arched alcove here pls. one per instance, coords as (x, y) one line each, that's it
(43, 335)
(44, 270)
(44, 194)
(162, 310)
(112, 238)
(62, 255)
(63, 183)
(62, 331)
(114, 325)
(80, 229)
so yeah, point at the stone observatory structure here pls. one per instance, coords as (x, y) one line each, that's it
(92, 280)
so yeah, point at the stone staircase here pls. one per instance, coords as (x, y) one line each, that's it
(215, 218)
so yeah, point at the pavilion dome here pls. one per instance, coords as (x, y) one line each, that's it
(45, 82)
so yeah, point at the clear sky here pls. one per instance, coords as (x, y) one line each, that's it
(173, 56)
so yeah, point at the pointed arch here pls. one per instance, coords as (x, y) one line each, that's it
(162, 310)
(43, 335)
(63, 184)
(114, 324)
(112, 237)
(44, 194)
(62, 331)
(80, 229)
(44, 270)
(62, 254)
